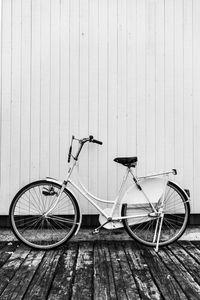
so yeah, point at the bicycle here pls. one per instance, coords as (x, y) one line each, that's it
(154, 210)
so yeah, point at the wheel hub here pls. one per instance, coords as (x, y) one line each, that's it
(155, 214)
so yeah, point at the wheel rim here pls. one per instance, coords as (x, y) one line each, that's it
(35, 228)
(175, 216)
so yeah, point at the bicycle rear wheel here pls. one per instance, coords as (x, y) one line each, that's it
(28, 220)
(145, 228)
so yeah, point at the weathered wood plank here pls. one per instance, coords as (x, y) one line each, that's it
(103, 276)
(197, 244)
(2, 245)
(82, 287)
(124, 283)
(129, 280)
(11, 266)
(164, 279)
(100, 270)
(188, 261)
(191, 249)
(40, 285)
(140, 270)
(6, 251)
(180, 274)
(62, 283)
(17, 287)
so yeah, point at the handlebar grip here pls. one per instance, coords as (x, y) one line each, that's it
(69, 155)
(174, 171)
(97, 142)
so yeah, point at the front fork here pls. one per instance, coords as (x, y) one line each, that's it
(64, 184)
(57, 200)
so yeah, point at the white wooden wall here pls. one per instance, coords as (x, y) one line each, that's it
(126, 71)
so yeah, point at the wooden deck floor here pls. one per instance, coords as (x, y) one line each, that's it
(100, 269)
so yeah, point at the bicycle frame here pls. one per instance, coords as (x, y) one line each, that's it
(116, 203)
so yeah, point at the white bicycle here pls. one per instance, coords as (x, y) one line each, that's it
(154, 210)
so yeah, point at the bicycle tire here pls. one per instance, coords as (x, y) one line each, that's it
(175, 213)
(27, 218)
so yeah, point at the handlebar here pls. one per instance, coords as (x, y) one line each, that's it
(82, 142)
(97, 142)
(92, 140)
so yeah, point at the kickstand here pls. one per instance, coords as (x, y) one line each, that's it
(159, 232)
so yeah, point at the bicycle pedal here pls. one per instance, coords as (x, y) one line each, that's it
(95, 231)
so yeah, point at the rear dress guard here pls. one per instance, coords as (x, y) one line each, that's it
(152, 188)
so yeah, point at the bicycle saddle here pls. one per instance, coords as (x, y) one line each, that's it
(127, 161)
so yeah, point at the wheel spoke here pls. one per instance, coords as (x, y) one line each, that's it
(28, 216)
(174, 221)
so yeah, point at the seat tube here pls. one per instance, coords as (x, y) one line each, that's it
(118, 199)
(141, 190)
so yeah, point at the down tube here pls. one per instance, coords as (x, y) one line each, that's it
(88, 198)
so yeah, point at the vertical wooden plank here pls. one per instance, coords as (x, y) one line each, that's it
(103, 97)
(1, 40)
(74, 66)
(16, 95)
(35, 91)
(55, 90)
(65, 135)
(131, 69)
(93, 94)
(196, 106)
(150, 86)
(188, 96)
(141, 92)
(44, 87)
(83, 91)
(169, 84)
(25, 91)
(121, 85)
(178, 88)
(112, 98)
(159, 90)
(6, 102)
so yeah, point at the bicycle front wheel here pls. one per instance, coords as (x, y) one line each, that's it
(145, 229)
(32, 224)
